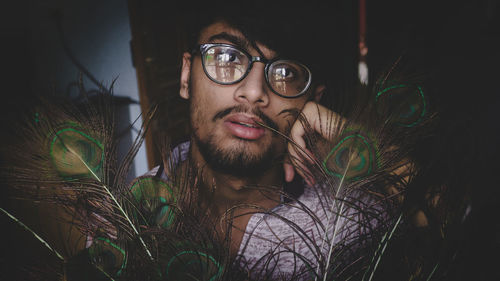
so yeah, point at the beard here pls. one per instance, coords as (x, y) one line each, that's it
(237, 160)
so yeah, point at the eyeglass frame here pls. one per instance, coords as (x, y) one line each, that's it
(203, 48)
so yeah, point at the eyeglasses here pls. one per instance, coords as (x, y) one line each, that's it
(226, 65)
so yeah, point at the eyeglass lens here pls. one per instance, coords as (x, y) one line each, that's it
(227, 65)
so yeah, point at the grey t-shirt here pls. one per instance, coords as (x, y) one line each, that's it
(294, 239)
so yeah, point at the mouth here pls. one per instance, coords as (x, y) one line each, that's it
(244, 126)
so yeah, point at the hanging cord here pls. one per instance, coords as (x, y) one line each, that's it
(363, 48)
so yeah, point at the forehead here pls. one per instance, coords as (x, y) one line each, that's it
(222, 32)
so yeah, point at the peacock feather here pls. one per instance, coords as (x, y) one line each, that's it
(158, 227)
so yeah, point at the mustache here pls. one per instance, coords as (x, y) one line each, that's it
(243, 109)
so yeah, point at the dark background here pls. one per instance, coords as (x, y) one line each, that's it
(455, 38)
(454, 42)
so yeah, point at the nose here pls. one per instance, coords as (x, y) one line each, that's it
(253, 89)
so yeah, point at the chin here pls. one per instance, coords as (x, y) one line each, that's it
(237, 157)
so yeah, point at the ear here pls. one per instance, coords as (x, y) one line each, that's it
(185, 75)
(318, 92)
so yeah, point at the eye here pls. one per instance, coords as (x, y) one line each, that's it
(225, 64)
(226, 55)
(288, 78)
(284, 72)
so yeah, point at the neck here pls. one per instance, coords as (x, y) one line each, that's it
(222, 192)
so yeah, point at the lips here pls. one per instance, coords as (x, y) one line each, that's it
(244, 127)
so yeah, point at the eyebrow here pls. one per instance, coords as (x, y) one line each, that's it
(236, 40)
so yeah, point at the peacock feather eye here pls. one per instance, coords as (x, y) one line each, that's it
(74, 153)
(107, 256)
(155, 198)
(189, 264)
(353, 157)
(402, 104)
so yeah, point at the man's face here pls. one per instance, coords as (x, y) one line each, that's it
(224, 117)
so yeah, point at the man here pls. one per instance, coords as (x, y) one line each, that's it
(244, 98)
(227, 139)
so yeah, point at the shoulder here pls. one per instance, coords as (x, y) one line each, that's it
(152, 172)
(177, 155)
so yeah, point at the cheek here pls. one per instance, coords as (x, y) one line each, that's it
(203, 107)
(199, 114)
(196, 111)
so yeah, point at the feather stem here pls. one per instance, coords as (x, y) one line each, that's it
(115, 201)
(432, 272)
(384, 242)
(325, 237)
(34, 233)
(105, 273)
(333, 205)
(333, 239)
(129, 221)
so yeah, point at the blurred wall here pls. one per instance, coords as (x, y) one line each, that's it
(98, 35)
